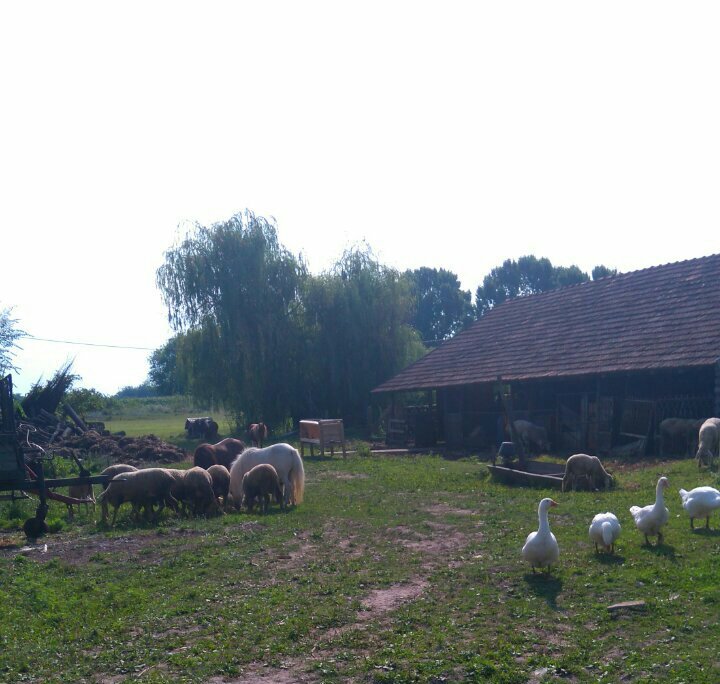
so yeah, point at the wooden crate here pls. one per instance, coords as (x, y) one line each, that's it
(322, 433)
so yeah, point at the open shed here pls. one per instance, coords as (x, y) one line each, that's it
(599, 364)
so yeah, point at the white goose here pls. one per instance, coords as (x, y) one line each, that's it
(700, 503)
(651, 519)
(541, 548)
(604, 530)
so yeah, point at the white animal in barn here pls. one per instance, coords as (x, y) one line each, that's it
(652, 518)
(708, 442)
(534, 437)
(700, 503)
(604, 530)
(582, 468)
(541, 548)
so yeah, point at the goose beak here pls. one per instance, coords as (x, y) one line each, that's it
(554, 503)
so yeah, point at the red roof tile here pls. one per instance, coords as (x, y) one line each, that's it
(661, 317)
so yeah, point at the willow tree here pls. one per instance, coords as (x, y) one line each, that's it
(358, 316)
(235, 290)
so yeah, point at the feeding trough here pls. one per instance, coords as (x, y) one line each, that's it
(525, 471)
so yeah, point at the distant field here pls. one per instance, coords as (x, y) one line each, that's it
(393, 569)
(168, 427)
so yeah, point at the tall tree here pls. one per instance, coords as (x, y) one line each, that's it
(441, 307)
(9, 335)
(358, 317)
(163, 372)
(527, 275)
(237, 288)
(601, 271)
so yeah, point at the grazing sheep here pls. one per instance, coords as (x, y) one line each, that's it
(140, 488)
(198, 491)
(110, 472)
(80, 491)
(221, 482)
(177, 490)
(678, 434)
(533, 437)
(587, 469)
(261, 482)
(708, 442)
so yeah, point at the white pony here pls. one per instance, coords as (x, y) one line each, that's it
(283, 457)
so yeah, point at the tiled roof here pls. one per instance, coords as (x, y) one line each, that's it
(661, 317)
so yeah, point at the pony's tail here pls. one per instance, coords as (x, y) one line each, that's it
(297, 478)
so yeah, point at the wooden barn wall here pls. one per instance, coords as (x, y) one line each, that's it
(586, 412)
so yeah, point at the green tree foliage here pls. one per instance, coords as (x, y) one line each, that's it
(147, 389)
(602, 272)
(528, 275)
(85, 400)
(237, 289)
(441, 307)
(164, 375)
(358, 333)
(9, 335)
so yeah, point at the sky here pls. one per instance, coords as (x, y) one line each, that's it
(451, 135)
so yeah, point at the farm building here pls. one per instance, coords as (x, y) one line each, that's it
(599, 364)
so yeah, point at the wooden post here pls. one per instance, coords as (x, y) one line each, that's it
(508, 408)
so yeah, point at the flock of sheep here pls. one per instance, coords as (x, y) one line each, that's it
(255, 476)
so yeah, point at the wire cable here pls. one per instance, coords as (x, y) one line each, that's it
(87, 344)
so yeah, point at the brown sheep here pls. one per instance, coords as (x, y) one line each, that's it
(221, 482)
(261, 482)
(198, 491)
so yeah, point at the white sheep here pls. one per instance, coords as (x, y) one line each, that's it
(110, 472)
(140, 488)
(708, 441)
(587, 469)
(533, 437)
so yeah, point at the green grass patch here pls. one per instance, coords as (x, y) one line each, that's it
(394, 569)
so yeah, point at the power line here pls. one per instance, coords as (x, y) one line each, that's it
(87, 344)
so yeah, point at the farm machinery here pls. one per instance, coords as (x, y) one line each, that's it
(22, 466)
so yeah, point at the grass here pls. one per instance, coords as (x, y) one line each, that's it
(394, 569)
